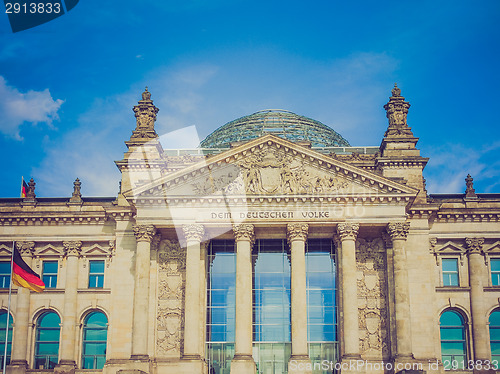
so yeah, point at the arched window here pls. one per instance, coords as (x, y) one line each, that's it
(95, 334)
(495, 336)
(3, 325)
(48, 329)
(453, 340)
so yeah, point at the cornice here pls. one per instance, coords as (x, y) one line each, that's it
(467, 217)
(212, 201)
(52, 219)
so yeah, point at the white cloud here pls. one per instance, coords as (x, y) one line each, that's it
(32, 106)
(450, 163)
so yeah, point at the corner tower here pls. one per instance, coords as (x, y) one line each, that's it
(399, 156)
(143, 161)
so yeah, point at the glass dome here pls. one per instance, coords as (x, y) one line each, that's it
(281, 123)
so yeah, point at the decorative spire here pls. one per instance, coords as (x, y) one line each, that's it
(145, 114)
(77, 195)
(397, 110)
(470, 192)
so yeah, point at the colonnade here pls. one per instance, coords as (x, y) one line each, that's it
(297, 233)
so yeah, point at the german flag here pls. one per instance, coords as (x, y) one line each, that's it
(23, 275)
(24, 188)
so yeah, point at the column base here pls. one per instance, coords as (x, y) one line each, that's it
(300, 364)
(17, 367)
(65, 367)
(352, 364)
(243, 364)
(139, 357)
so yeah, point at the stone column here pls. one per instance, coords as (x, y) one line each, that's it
(67, 362)
(347, 233)
(299, 360)
(192, 333)
(243, 362)
(18, 363)
(398, 231)
(479, 323)
(144, 235)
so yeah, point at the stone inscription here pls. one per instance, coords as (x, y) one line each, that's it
(266, 214)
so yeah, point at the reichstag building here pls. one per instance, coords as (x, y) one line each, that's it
(274, 247)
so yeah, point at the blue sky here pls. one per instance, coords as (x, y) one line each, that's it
(67, 87)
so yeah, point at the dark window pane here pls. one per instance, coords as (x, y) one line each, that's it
(450, 264)
(451, 318)
(495, 318)
(97, 266)
(495, 264)
(452, 334)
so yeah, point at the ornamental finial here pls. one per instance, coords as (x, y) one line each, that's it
(396, 91)
(470, 191)
(146, 95)
(77, 194)
(397, 110)
(145, 115)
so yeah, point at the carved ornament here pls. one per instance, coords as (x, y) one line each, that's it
(72, 248)
(398, 230)
(25, 248)
(474, 245)
(171, 256)
(297, 231)
(347, 231)
(144, 233)
(145, 114)
(193, 232)
(397, 110)
(244, 231)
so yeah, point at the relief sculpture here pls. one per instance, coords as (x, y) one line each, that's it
(372, 296)
(171, 272)
(269, 171)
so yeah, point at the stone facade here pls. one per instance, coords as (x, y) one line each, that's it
(391, 240)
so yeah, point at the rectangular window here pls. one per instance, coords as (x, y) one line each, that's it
(495, 271)
(450, 272)
(4, 274)
(50, 274)
(96, 274)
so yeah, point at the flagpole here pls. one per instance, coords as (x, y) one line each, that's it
(8, 311)
(22, 184)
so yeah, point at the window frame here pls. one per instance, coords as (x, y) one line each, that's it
(5, 277)
(50, 275)
(84, 341)
(496, 272)
(40, 318)
(464, 341)
(9, 339)
(96, 275)
(450, 273)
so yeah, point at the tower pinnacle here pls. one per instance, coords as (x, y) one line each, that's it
(145, 114)
(397, 110)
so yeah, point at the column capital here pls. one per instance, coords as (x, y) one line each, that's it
(72, 248)
(347, 230)
(297, 231)
(193, 232)
(244, 231)
(398, 230)
(474, 245)
(144, 233)
(25, 248)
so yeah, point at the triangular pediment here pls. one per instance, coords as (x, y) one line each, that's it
(272, 166)
(49, 250)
